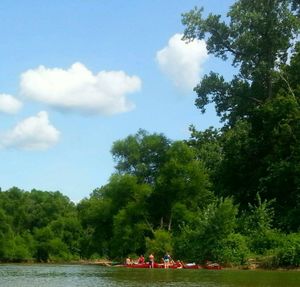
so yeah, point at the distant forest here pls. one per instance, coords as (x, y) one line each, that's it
(230, 195)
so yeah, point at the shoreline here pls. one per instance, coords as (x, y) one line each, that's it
(109, 263)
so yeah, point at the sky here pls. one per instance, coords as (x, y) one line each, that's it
(77, 75)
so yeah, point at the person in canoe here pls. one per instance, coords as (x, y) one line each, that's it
(141, 260)
(151, 260)
(167, 259)
(179, 264)
(128, 261)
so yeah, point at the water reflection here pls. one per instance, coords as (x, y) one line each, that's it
(92, 276)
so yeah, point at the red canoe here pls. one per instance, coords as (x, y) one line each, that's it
(185, 266)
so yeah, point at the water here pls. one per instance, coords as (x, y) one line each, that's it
(92, 276)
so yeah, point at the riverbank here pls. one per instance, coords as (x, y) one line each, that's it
(100, 262)
(109, 263)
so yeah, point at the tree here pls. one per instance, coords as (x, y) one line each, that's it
(258, 37)
(200, 240)
(141, 155)
(115, 218)
(131, 220)
(260, 105)
(37, 224)
(160, 244)
(182, 180)
(208, 147)
(96, 217)
(261, 154)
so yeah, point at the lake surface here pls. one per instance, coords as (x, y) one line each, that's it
(45, 275)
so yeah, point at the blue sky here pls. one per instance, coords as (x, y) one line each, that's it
(77, 75)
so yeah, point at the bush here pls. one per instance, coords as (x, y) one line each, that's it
(187, 245)
(232, 250)
(58, 250)
(199, 241)
(160, 244)
(289, 253)
(261, 243)
(22, 250)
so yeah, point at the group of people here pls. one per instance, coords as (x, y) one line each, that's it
(141, 260)
(167, 261)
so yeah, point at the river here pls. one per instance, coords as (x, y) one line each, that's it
(46, 275)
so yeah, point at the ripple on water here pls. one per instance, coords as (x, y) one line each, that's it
(46, 275)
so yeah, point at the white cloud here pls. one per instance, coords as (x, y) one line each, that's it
(182, 62)
(9, 104)
(33, 133)
(78, 89)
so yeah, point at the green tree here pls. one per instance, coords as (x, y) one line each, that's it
(23, 247)
(207, 145)
(96, 217)
(131, 222)
(6, 236)
(159, 244)
(141, 155)
(201, 239)
(43, 236)
(182, 179)
(115, 218)
(30, 220)
(260, 105)
(232, 250)
(258, 36)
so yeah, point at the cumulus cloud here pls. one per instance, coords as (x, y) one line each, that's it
(33, 133)
(78, 89)
(182, 62)
(9, 104)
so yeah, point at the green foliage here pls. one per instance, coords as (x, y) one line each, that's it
(129, 234)
(6, 246)
(256, 224)
(160, 185)
(141, 155)
(289, 253)
(260, 105)
(38, 225)
(58, 250)
(285, 254)
(23, 248)
(257, 35)
(96, 221)
(182, 179)
(265, 242)
(160, 244)
(115, 218)
(207, 145)
(233, 250)
(258, 219)
(221, 195)
(200, 240)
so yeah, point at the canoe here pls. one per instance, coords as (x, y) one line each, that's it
(161, 266)
(212, 267)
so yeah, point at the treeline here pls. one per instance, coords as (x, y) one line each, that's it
(38, 225)
(161, 198)
(230, 195)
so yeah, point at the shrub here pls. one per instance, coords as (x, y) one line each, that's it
(289, 253)
(262, 242)
(160, 244)
(232, 250)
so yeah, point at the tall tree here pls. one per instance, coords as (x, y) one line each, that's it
(260, 105)
(257, 36)
(183, 183)
(141, 155)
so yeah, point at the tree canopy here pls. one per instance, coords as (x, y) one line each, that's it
(260, 105)
(228, 194)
